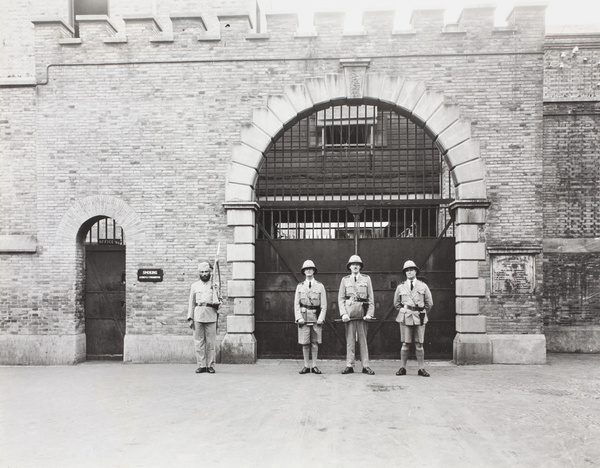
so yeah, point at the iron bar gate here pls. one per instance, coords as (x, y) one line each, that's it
(353, 179)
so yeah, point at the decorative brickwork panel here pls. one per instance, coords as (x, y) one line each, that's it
(572, 72)
(572, 170)
(572, 289)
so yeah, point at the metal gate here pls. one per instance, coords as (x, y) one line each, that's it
(353, 179)
(105, 291)
(278, 272)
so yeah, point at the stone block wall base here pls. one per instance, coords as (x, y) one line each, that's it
(238, 348)
(563, 339)
(472, 349)
(144, 349)
(518, 349)
(42, 350)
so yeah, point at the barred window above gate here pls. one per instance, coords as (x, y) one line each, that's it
(348, 155)
(105, 231)
(372, 223)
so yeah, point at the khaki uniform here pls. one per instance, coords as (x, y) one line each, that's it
(310, 304)
(412, 306)
(204, 313)
(355, 298)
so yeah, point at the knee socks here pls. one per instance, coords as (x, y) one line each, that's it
(403, 356)
(420, 352)
(315, 352)
(306, 354)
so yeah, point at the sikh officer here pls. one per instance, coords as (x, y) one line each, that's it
(202, 317)
(355, 299)
(310, 308)
(413, 300)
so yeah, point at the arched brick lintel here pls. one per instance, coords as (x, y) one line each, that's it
(440, 119)
(94, 206)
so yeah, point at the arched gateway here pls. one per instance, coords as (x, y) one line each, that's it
(99, 276)
(335, 110)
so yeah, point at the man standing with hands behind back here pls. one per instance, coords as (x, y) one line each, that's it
(413, 300)
(357, 306)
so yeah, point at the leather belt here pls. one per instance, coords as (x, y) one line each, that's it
(413, 308)
(357, 299)
(205, 304)
(310, 307)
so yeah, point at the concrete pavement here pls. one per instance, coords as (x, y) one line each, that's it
(106, 414)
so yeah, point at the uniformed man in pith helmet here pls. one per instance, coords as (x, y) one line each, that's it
(413, 301)
(310, 308)
(357, 306)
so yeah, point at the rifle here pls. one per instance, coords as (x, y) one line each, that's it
(216, 284)
(216, 279)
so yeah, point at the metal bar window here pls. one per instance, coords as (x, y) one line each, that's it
(105, 231)
(374, 222)
(361, 153)
(388, 157)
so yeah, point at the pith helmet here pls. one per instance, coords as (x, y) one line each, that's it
(308, 264)
(410, 264)
(354, 259)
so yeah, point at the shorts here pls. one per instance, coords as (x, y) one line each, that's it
(410, 333)
(310, 334)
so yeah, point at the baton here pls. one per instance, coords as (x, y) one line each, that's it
(339, 320)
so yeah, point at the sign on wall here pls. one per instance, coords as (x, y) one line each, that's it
(150, 275)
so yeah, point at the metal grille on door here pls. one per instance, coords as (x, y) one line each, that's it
(353, 179)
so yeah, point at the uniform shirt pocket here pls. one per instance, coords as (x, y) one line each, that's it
(314, 298)
(362, 291)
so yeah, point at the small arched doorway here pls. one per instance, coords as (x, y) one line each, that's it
(104, 300)
(353, 178)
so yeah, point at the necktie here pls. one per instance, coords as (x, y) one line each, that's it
(411, 285)
(355, 279)
(309, 285)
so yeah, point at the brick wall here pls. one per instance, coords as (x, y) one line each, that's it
(571, 289)
(17, 158)
(571, 168)
(571, 190)
(151, 120)
(571, 213)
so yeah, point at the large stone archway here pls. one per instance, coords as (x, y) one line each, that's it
(451, 133)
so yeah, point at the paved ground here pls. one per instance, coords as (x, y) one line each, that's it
(267, 415)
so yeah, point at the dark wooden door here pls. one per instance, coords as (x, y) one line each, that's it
(105, 301)
(384, 259)
(278, 264)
